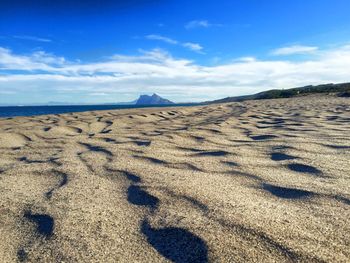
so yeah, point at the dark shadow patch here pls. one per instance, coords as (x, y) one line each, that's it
(109, 140)
(176, 244)
(287, 193)
(213, 153)
(254, 116)
(189, 149)
(55, 160)
(181, 129)
(342, 199)
(137, 196)
(44, 223)
(63, 182)
(338, 146)
(198, 138)
(230, 163)
(106, 131)
(16, 148)
(263, 137)
(26, 160)
(281, 147)
(151, 159)
(97, 149)
(332, 118)
(184, 166)
(22, 255)
(213, 131)
(271, 122)
(132, 177)
(303, 168)
(275, 156)
(143, 143)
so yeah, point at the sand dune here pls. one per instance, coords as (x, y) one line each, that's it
(258, 181)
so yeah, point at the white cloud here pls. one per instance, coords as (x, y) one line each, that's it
(98, 94)
(162, 38)
(158, 71)
(199, 24)
(293, 50)
(246, 59)
(33, 38)
(191, 46)
(38, 60)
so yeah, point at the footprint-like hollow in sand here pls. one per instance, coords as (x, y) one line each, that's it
(303, 168)
(230, 163)
(95, 148)
(275, 156)
(287, 193)
(176, 244)
(22, 255)
(137, 196)
(143, 143)
(62, 182)
(212, 153)
(44, 223)
(263, 137)
(132, 177)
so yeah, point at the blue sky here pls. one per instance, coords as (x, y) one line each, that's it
(90, 52)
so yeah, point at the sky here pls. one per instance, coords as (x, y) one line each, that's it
(186, 51)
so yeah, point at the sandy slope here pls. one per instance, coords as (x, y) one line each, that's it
(263, 181)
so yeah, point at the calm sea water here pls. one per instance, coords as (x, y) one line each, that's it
(43, 110)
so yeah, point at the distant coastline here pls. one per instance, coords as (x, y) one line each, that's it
(25, 111)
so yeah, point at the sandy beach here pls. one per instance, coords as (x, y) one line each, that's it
(254, 181)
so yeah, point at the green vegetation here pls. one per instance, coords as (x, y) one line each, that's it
(343, 89)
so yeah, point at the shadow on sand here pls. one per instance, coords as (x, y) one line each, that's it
(303, 168)
(44, 223)
(275, 156)
(137, 196)
(287, 193)
(176, 244)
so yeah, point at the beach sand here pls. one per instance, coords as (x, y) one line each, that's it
(257, 181)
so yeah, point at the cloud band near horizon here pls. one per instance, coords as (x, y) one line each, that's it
(121, 78)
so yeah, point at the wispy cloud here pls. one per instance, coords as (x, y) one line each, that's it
(98, 94)
(38, 60)
(199, 24)
(193, 46)
(33, 38)
(158, 71)
(189, 45)
(294, 50)
(162, 38)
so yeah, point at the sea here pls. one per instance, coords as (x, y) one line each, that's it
(13, 111)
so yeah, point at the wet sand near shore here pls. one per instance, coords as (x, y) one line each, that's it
(256, 181)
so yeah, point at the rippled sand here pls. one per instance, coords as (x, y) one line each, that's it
(263, 181)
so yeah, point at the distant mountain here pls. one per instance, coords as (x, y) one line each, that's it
(343, 89)
(152, 100)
